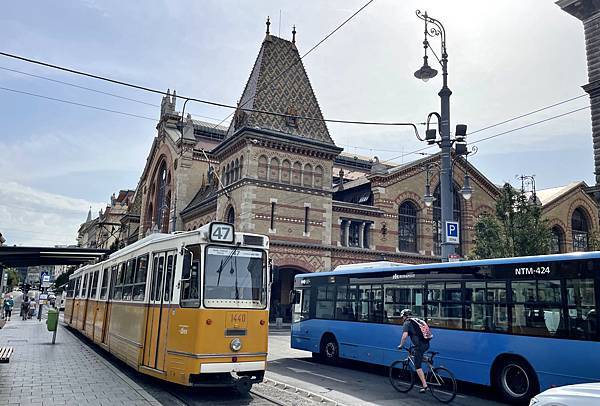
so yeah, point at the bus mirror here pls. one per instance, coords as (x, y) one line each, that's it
(186, 273)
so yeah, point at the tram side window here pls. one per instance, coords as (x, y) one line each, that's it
(129, 279)
(77, 286)
(158, 274)
(399, 297)
(71, 288)
(485, 306)
(84, 288)
(139, 289)
(170, 277)
(581, 301)
(190, 282)
(118, 289)
(444, 304)
(537, 308)
(325, 301)
(345, 308)
(104, 287)
(94, 287)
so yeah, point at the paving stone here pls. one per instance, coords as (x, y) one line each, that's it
(67, 373)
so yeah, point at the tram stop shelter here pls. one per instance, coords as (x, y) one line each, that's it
(14, 257)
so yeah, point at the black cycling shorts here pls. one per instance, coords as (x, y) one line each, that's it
(419, 351)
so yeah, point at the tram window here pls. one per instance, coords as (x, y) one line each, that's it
(94, 287)
(537, 308)
(118, 290)
(139, 289)
(581, 302)
(158, 275)
(190, 288)
(77, 286)
(104, 287)
(84, 289)
(171, 260)
(128, 280)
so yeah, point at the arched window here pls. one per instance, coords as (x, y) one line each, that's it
(307, 176)
(557, 240)
(230, 216)
(236, 170)
(262, 167)
(297, 174)
(241, 167)
(274, 170)
(227, 175)
(162, 206)
(580, 227)
(286, 171)
(318, 177)
(437, 219)
(407, 227)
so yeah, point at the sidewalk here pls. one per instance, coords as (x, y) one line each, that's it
(67, 373)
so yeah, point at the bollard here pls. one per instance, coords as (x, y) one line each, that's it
(279, 322)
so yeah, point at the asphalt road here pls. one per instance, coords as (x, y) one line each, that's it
(352, 383)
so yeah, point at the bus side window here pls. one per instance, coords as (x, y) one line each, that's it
(581, 301)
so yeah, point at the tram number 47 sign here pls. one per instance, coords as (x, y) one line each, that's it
(452, 232)
(221, 232)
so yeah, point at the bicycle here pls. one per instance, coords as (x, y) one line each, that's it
(440, 380)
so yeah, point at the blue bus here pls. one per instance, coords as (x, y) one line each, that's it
(521, 325)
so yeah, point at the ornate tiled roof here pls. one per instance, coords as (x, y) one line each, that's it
(278, 83)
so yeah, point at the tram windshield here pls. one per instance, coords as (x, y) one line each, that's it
(234, 277)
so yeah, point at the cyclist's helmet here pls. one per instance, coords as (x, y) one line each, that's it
(406, 313)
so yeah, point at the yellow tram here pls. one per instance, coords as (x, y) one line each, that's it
(189, 307)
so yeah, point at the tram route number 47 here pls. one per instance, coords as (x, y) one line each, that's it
(221, 232)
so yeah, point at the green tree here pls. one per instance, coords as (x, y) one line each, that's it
(63, 279)
(13, 278)
(517, 229)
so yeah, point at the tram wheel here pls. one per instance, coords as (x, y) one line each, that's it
(243, 385)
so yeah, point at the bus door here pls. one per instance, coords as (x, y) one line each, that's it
(161, 295)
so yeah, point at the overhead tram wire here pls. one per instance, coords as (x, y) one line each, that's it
(300, 59)
(91, 89)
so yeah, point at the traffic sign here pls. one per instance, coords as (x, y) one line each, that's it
(452, 232)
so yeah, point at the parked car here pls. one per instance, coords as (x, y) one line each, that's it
(585, 394)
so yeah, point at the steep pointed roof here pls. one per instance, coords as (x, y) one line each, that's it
(278, 83)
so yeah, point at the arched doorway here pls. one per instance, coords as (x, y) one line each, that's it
(283, 284)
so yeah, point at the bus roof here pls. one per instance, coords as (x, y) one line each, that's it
(365, 268)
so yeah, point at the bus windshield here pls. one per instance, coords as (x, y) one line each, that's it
(234, 277)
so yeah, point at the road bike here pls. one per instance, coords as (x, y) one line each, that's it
(440, 380)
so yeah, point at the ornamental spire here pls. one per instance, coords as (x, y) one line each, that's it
(268, 24)
(294, 35)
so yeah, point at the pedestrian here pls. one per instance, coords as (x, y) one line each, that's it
(8, 305)
(32, 308)
(25, 308)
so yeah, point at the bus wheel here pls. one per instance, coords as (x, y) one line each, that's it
(515, 380)
(330, 349)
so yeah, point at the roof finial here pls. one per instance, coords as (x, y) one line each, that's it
(294, 35)
(268, 24)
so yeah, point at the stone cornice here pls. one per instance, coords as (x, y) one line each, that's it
(356, 208)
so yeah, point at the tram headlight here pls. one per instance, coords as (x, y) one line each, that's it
(236, 344)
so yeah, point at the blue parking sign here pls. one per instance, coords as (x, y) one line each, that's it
(452, 232)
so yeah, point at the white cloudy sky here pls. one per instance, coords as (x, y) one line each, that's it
(56, 160)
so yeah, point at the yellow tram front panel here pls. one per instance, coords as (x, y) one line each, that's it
(199, 337)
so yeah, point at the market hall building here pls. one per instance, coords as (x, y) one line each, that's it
(284, 176)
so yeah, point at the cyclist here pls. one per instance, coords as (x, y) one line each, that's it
(419, 334)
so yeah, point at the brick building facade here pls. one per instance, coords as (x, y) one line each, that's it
(283, 176)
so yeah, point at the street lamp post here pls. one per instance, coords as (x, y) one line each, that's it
(434, 28)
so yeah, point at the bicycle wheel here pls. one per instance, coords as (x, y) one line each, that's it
(442, 384)
(402, 376)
